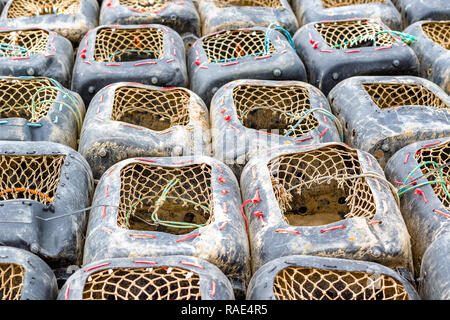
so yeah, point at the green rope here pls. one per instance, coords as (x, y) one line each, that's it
(407, 187)
(407, 38)
(159, 202)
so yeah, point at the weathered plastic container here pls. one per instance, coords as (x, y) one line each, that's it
(148, 278)
(319, 278)
(25, 276)
(70, 18)
(148, 54)
(335, 50)
(323, 200)
(418, 10)
(251, 116)
(127, 120)
(146, 207)
(39, 109)
(382, 114)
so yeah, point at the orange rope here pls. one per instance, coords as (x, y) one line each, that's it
(41, 194)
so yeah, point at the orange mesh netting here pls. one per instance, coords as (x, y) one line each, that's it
(24, 8)
(391, 95)
(121, 45)
(11, 281)
(439, 154)
(232, 45)
(145, 5)
(155, 198)
(30, 177)
(341, 3)
(16, 98)
(300, 283)
(154, 109)
(249, 3)
(162, 283)
(23, 43)
(439, 32)
(321, 186)
(354, 34)
(274, 107)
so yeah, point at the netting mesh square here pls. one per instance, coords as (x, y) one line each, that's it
(145, 5)
(302, 283)
(154, 109)
(232, 45)
(274, 107)
(431, 158)
(23, 43)
(249, 3)
(30, 177)
(391, 95)
(11, 281)
(161, 283)
(354, 34)
(166, 199)
(321, 186)
(24, 8)
(341, 3)
(439, 32)
(123, 44)
(26, 98)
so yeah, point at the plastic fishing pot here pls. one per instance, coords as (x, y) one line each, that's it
(250, 116)
(434, 282)
(336, 50)
(300, 277)
(25, 276)
(433, 50)
(170, 206)
(35, 52)
(418, 10)
(44, 188)
(309, 11)
(391, 112)
(39, 109)
(178, 15)
(322, 200)
(419, 170)
(175, 277)
(151, 54)
(233, 14)
(251, 53)
(70, 18)
(127, 120)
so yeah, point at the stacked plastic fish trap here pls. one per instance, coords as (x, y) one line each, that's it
(226, 149)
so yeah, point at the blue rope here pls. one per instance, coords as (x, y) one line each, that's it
(269, 31)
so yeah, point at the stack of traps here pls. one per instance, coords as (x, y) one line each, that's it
(127, 120)
(148, 54)
(250, 116)
(70, 18)
(180, 16)
(39, 109)
(309, 11)
(44, 190)
(35, 52)
(350, 48)
(150, 207)
(421, 171)
(323, 200)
